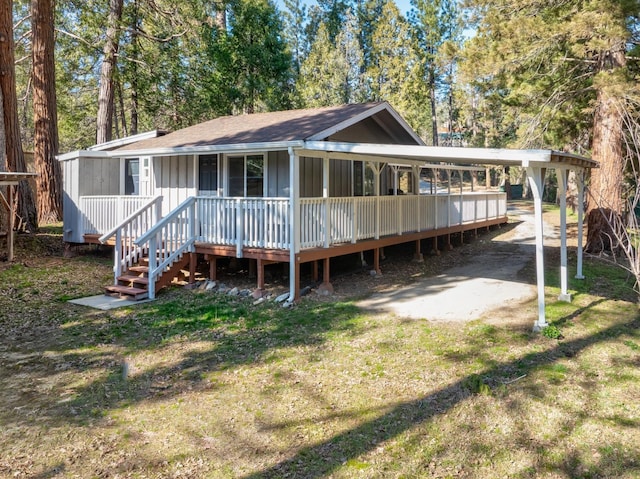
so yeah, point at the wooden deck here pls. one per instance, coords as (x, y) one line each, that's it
(263, 257)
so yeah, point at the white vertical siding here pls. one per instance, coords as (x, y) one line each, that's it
(173, 178)
(70, 199)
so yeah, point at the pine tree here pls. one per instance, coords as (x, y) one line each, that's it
(394, 73)
(13, 156)
(564, 66)
(49, 179)
(322, 74)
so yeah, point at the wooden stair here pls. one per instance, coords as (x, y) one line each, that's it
(134, 283)
(131, 285)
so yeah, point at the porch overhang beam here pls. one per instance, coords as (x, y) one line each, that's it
(484, 156)
(186, 150)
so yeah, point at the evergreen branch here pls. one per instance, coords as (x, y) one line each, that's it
(148, 36)
(20, 22)
(76, 37)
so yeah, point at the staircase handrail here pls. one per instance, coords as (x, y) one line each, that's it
(109, 234)
(160, 224)
(175, 247)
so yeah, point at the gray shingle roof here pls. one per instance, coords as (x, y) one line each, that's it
(288, 125)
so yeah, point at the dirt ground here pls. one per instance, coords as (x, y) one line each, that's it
(489, 281)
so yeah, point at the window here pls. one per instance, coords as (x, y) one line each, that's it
(132, 176)
(208, 174)
(246, 175)
(363, 180)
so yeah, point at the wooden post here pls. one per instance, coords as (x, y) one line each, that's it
(193, 262)
(417, 256)
(10, 223)
(315, 271)
(326, 287)
(376, 261)
(213, 267)
(259, 292)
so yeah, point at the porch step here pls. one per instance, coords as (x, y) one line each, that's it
(128, 292)
(132, 280)
(142, 270)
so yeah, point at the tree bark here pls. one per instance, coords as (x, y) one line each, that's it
(605, 189)
(434, 106)
(26, 216)
(49, 179)
(106, 94)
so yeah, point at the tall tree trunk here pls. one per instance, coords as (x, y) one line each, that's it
(434, 117)
(605, 188)
(49, 179)
(221, 15)
(106, 94)
(135, 45)
(26, 216)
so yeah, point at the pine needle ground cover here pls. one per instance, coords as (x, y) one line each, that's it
(204, 385)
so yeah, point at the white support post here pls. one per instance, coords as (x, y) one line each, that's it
(117, 255)
(562, 175)
(449, 199)
(434, 185)
(239, 228)
(580, 180)
(398, 204)
(325, 195)
(153, 264)
(192, 224)
(377, 169)
(294, 246)
(461, 200)
(535, 175)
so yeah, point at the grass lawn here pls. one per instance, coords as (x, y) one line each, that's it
(198, 384)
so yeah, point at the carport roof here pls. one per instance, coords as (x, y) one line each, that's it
(453, 155)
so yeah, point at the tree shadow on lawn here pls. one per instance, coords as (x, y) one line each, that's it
(322, 459)
(233, 331)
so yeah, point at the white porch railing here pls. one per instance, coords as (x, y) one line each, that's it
(168, 240)
(103, 213)
(244, 222)
(126, 252)
(356, 218)
(265, 222)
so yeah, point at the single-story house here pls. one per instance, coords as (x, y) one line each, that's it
(299, 186)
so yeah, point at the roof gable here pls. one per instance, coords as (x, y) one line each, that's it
(291, 125)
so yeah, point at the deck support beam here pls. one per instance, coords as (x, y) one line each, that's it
(213, 266)
(376, 261)
(326, 287)
(193, 262)
(536, 178)
(417, 256)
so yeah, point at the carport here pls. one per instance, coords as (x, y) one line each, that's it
(535, 163)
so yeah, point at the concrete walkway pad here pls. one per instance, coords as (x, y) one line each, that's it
(105, 303)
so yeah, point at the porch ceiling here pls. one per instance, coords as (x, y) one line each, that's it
(412, 155)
